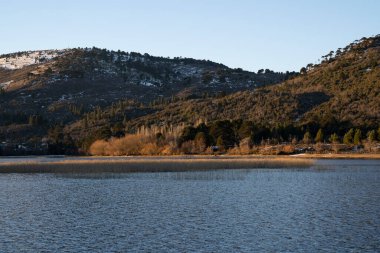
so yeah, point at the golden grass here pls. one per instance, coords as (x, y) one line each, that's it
(340, 156)
(154, 164)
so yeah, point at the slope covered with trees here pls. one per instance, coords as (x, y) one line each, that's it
(83, 95)
(328, 102)
(342, 91)
(41, 90)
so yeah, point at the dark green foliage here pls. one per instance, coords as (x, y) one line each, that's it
(371, 136)
(307, 138)
(220, 143)
(188, 134)
(224, 131)
(35, 120)
(334, 138)
(104, 133)
(201, 140)
(206, 77)
(348, 137)
(117, 129)
(60, 143)
(76, 110)
(8, 118)
(48, 71)
(160, 138)
(230, 133)
(357, 136)
(246, 129)
(319, 137)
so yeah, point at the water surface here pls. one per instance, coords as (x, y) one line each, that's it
(332, 207)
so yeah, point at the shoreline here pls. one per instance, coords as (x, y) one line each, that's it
(133, 164)
(338, 156)
(219, 156)
(151, 164)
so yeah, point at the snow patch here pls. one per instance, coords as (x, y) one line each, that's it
(6, 84)
(146, 83)
(20, 60)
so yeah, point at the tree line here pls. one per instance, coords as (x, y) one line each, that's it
(237, 136)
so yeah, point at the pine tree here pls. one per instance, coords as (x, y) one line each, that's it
(85, 124)
(220, 143)
(334, 138)
(307, 137)
(371, 136)
(348, 137)
(125, 120)
(319, 136)
(31, 120)
(200, 141)
(357, 137)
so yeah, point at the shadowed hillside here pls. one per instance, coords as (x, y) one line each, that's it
(343, 90)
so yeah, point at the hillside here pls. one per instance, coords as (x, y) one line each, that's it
(343, 89)
(76, 96)
(42, 89)
(99, 77)
(341, 92)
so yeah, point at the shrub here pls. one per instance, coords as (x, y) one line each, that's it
(150, 149)
(98, 147)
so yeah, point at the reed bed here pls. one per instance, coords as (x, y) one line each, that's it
(152, 165)
(342, 156)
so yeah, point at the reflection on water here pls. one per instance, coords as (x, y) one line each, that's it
(209, 175)
(332, 207)
(94, 176)
(235, 174)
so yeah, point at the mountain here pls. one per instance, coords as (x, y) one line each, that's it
(342, 91)
(95, 77)
(345, 86)
(42, 89)
(80, 95)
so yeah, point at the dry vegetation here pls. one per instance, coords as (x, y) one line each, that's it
(147, 141)
(154, 165)
(339, 156)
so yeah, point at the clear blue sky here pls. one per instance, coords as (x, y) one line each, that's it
(279, 35)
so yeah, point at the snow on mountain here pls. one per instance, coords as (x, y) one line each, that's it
(20, 60)
(5, 84)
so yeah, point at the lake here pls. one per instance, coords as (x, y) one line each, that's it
(334, 206)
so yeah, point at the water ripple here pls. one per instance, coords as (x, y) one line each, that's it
(330, 210)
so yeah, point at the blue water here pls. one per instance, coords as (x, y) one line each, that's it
(331, 207)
